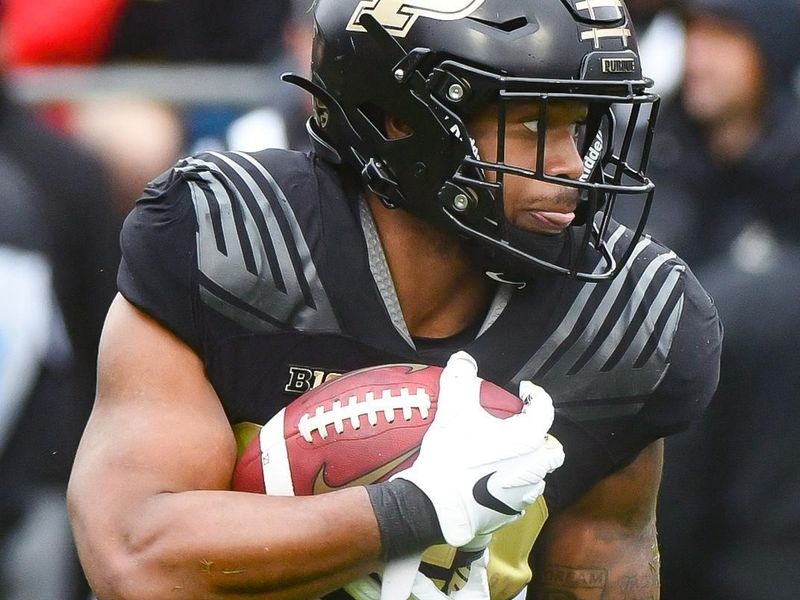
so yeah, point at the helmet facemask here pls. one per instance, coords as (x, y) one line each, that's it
(614, 157)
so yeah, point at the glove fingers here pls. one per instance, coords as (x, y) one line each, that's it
(534, 494)
(523, 482)
(517, 492)
(538, 419)
(470, 459)
(480, 542)
(533, 464)
(525, 431)
(459, 389)
(537, 403)
(555, 451)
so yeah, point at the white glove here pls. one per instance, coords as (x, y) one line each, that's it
(481, 472)
(475, 588)
(477, 585)
(422, 588)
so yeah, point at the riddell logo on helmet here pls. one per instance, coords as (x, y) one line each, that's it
(399, 16)
(593, 155)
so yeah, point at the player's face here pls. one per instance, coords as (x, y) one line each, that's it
(530, 204)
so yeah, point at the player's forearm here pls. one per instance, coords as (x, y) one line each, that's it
(227, 545)
(610, 564)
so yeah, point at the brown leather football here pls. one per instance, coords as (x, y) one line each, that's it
(355, 430)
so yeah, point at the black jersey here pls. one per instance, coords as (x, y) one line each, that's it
(273, 272)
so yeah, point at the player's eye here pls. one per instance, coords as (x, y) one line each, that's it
(532, 126)
(578, 129)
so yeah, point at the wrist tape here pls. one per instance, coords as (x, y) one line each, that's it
(406, 518)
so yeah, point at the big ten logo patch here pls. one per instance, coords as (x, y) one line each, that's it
(303, 379)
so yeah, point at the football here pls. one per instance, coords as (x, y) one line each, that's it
(355, 430)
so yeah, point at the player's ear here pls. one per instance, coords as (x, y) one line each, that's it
(396, 129)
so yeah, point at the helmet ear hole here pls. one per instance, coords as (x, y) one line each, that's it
(375, 117)
(396, 129)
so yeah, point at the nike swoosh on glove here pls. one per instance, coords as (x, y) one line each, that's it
(479, 471)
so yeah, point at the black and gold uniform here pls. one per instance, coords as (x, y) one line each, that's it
(274, 274)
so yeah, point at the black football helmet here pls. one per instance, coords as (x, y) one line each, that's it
(432, 64)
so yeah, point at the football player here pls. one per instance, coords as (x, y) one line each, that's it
(468, 155)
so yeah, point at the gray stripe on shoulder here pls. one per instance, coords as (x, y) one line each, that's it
(569, 322)
(247, 320)
(575, 377)
(258, 290)
(655, 312)
(621, 327)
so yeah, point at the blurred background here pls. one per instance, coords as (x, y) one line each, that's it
(98, 97)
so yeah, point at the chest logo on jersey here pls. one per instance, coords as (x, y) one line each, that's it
(300, 380)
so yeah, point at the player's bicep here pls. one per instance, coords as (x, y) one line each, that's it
(157, 426)
(626, 498)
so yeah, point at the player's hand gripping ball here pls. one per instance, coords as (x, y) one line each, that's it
(359, 429)
(480, 472)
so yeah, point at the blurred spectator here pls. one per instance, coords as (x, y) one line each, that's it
(281, 123)
(751, 517)
(200, 30)
(728, 200)
(60, 211)
(84, 32)
(661, 42)
(89, 31)
(136, 139)
(725, 157)
(59, 31)
(58, 257)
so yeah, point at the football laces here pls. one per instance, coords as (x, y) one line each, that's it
(339, 416)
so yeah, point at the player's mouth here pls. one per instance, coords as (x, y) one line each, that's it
(552, 221)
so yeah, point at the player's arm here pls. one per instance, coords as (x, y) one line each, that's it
(148, 495)
(605, 545)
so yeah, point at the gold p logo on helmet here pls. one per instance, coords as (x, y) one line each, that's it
(399, 16)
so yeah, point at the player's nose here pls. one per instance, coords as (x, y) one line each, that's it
(562, 158)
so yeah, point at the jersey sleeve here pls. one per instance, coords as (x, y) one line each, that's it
(688, 384)
(694, 366)
(159, 257)
(600, 447)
